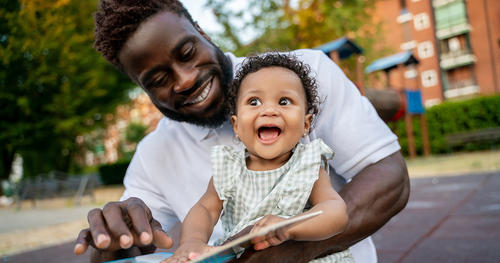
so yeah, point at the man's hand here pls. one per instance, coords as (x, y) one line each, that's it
(289, 251)
(121, 225)
(272, 238)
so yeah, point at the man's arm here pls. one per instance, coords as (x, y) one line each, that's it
(373, 196)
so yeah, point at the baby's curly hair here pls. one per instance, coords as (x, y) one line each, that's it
(117, 20)
(274, 59)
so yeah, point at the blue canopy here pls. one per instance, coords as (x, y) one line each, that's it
(344, 46)
(390, 62)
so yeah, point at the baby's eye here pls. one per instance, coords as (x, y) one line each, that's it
(254, 102)
(284, 101)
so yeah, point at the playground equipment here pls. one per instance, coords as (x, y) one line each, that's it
(392, 102)
(412, 97)
(388, 103)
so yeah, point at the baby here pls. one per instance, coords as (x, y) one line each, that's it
(272, 103)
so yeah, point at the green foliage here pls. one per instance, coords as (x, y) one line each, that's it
(113, 173)
(135, 132)
(288, 25)
(53, 85)
(454, 117)
(282, 25)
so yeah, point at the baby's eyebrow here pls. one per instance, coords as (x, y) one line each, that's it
(251, 93)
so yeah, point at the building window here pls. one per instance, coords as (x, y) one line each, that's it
(450, 15)
(429, 78)
(409, 45)
(421, 21)
(425, 49)
(431, 102)
(411, 74)
(454, 44)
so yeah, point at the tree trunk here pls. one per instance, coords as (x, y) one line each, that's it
(7, 159)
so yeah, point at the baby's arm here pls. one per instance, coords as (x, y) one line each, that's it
(198, 226)
(332, 221)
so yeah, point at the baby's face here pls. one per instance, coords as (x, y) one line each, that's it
(271, 113)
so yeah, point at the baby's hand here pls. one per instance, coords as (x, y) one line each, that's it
(188, 251)
(272, 238)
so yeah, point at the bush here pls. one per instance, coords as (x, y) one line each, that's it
(454, 117)
(113, 173)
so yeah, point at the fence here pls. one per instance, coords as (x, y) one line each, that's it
(56, 184)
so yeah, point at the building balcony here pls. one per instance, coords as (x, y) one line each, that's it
(461, 88)
(456, 59)
(439, 3)
(452, 31)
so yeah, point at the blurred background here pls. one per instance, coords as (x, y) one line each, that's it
(70, 122)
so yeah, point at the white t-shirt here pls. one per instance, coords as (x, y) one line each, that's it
(171, 167)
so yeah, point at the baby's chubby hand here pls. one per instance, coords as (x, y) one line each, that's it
(188, 251)
(272, 238)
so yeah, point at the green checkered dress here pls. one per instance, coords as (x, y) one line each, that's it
(249, 195)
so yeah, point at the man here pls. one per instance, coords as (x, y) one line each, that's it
(157, 44)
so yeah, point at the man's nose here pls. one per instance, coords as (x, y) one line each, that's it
(185, 79)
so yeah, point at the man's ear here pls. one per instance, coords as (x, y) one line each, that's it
(198, 28)
(234, 121)
(307, 122)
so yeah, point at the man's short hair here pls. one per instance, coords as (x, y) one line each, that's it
(117, 20)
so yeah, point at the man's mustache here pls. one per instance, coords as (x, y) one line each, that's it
(179, 100)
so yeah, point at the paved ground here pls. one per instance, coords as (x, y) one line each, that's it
(448, 219)
(29, 219)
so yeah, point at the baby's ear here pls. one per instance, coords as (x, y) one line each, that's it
(234, 122)
(307, 122)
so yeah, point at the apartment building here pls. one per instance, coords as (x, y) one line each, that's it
(457, 43)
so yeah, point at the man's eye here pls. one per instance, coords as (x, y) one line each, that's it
(187, 52)
(254, 102)
(157, 81)
(284, 101)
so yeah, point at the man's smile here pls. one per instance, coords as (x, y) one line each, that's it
(204, 90)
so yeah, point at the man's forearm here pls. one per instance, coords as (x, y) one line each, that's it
(373, 197)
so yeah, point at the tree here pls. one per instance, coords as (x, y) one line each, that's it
(53, 85)
(288, 25)
(134, 133)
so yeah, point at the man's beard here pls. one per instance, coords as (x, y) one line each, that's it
(220, 113)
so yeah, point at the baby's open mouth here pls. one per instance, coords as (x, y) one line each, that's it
(268, 133)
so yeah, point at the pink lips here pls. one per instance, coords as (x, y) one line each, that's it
(268, 135)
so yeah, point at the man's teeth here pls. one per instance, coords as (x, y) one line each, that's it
(203, 94)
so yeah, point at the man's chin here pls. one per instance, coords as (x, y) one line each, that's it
(212, 121)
